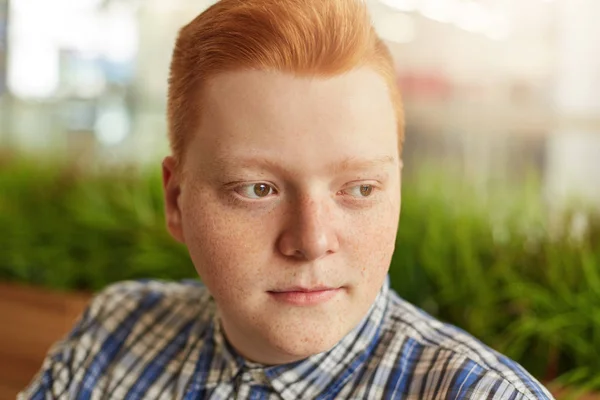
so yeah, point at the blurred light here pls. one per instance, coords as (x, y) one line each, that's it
(33, 69)
(40, 30)
(33, 61)
(88, 28)
(85, 77)
(468, 15)
(500, 28)
(441, 11)
(165, 7)
(402, 5)
(120, 38)
(78, 5)
(396, 27)
(112, 126)
(175, 7)
(473, 17)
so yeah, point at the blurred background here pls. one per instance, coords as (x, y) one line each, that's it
(495, 86)
(500, 231)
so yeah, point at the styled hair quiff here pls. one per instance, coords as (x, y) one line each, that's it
(302, 37)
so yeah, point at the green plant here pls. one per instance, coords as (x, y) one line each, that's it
(529, 290)
(67, 230)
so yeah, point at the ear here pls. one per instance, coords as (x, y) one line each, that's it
(172, 190)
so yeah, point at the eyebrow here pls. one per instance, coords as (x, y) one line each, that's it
(358, 164)
(352, 163)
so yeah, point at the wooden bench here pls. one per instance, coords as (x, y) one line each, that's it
(31, 320)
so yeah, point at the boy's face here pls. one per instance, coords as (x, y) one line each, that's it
(289, 206)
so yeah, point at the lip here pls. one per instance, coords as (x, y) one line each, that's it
(300, 296)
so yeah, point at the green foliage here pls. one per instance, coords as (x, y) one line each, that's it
(491, 264)
(529, 291)
(66, 230)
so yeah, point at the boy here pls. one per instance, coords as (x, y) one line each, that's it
(286, 131)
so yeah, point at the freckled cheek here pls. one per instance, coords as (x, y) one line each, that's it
(226, 249)
(372, 240)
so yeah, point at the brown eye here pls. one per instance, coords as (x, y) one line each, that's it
(256, 191)
(261, 190)
(360, 191)
(366, 190)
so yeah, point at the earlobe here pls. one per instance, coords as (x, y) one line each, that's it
(172, 191)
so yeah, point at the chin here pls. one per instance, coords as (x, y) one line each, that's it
(301, 333)
(302, 349)
(309, 340)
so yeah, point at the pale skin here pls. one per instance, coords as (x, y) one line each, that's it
(290, 182)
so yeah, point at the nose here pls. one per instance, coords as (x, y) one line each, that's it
(310, 234)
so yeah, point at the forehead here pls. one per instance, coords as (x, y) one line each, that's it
(359, 91)
(258, 112)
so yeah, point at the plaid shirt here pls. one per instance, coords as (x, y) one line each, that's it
(159, 340)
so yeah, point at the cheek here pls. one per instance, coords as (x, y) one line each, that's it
(372, 240)
(225, 249)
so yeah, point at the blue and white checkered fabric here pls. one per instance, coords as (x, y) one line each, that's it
(160, 340)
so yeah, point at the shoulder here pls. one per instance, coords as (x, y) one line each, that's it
(122, 306)
(142, 288)
(441, 358)
(127, 297)
(128, 328)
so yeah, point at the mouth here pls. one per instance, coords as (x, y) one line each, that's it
(302, 296)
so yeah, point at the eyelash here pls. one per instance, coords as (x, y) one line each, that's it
(374, 189)
(234, 187)
(250, 185)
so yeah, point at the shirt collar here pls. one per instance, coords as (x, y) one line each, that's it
(322, 373)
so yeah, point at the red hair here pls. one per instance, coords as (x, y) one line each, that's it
(302, 37)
